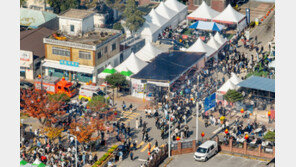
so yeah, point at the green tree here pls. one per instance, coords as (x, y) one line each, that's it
(63, 5)
(22, 2)
(117, 26)
(59, 97)
(116, 80)
(134, 17)
(269, 136)
(233, 96)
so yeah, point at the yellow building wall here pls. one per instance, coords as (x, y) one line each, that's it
(75, 57)
(51, 56)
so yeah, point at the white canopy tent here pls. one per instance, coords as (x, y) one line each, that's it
(227, 86)
(272, 64)
(235, 79)
(150, 32)
(154, 18)
(107, 71)
(200, 46)
(220, 39)
(132, 63)
(231, 16)
(148, 52)
(168, 13)
(213, 43)
(203, 12)
(177, 6)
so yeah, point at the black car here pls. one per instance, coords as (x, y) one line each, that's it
(26, 85)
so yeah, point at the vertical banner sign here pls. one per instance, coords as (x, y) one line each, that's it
(210, 102)
(248, 15)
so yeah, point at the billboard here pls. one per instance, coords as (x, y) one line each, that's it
(210, 102)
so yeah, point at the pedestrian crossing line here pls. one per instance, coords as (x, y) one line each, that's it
(140, 144)
(145, 148)
(162, 145)
(152, 148)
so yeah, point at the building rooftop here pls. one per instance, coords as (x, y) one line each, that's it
(77, 13)
(34, 18)
(258, 83)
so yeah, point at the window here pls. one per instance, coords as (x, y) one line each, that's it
(195, 2)
(84, 55)
(72, 28)
(99, 54)
(106, 49)
(60, 51)
(113, 46)
(212, 147)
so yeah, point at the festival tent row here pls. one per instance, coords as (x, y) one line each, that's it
(36, 163)
(200, 46)
(169, 13)
(203, 12)
(231, 16)
(107, 71)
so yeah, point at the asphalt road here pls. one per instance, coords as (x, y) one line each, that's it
(220, 160)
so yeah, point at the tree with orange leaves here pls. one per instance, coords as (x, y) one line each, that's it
(52, 132)
(85, 132)
(36, 104)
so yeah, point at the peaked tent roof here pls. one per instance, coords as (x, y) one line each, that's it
(203, 12)
(154, 18)
(175, 5)
(149, 28)
(235, 79)
(164, 11)
(200, 46)
(213, 43)
(219, 38)
(226, 86)
(34, 18)
(148, 52)
(205, 25)
(272, 64)
(229, 15)
(107, 71)
(132, 63)
(259, 83)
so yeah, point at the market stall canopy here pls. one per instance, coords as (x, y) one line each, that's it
(200, 46)
(164, 11)
(132, 63)
(203, 12)
(229, 16)
(175, 5)
(228, 85)
(259, 83)
(220, 39)
(272, 64)
(107, 71)
(235, 79)
(213, 43)
(149, 28)
(148, 52)
(154, 18)
(208, 26)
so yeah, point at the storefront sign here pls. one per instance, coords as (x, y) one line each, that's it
(25, 55)
(69, 63)
(210, 102)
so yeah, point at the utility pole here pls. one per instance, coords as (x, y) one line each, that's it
(76, 160)
(169, 137)
(197, 110)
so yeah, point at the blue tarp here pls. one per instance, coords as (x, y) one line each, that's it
(259, 83)
(210, 102)
(204, 25)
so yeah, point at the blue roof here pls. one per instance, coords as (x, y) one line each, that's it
(205, 25)
(258, 83)
(34, 18)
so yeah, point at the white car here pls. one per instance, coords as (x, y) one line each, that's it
(206, 150)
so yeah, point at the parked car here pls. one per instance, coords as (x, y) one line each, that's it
(26, 85)
(206, 151)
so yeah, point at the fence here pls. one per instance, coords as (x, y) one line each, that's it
(159, 157)
(183, 147)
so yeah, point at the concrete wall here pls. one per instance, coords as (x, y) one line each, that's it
(99, 20)
(64, 26)
(88, 24)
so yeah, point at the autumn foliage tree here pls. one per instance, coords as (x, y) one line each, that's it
(85, 132)
(52, 133)
(36, 104)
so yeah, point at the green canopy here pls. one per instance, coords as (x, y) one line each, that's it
(126, 73)
(23, 162)
(109, 71)
(41, 165)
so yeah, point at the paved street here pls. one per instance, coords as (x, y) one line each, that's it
(220, 160)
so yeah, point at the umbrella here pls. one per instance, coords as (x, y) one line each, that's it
(209, 26)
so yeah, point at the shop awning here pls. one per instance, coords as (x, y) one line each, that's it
(26, 64)
(259, 83)
(80, 69)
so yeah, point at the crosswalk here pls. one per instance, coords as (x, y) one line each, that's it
(128, 115)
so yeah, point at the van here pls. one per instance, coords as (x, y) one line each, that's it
(206, 150)
(86, 92)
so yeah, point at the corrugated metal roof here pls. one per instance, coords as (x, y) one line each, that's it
(259, 83)
(34, 18)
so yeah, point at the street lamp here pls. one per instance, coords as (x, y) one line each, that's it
(197, 110)
(76, 160)
(169, 137)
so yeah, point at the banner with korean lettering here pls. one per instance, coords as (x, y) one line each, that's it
(210, 102)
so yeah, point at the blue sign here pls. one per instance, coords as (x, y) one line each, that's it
(248, 15)
(210, 102)
(69, 63)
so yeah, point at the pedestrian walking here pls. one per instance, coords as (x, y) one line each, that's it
(137, 123)
(132, 155)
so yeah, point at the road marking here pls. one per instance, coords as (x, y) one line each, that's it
(162, 145)
(152, 148)
(145, 148)
(140, 144)
(142, 160)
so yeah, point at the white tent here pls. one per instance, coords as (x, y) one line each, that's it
(164, 11)
(107, 71)
(148, 52)
(154, 18)
(178, 7)
(229, 16)
(272, 64)
(213, 43)
(219, 38)
(200, 46)
(203, 12)
(235, 79)
(132, 63)
(226, 86)
(150, 32)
